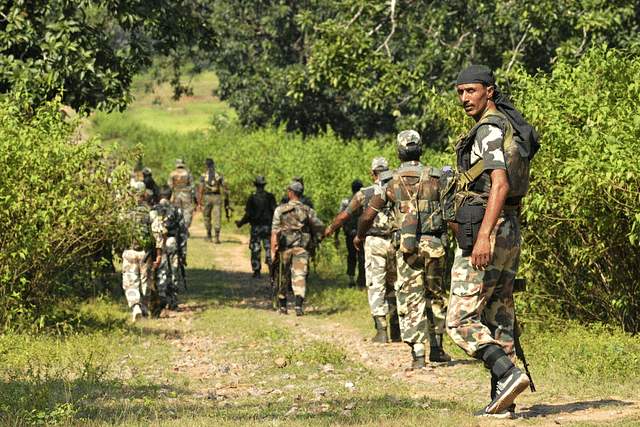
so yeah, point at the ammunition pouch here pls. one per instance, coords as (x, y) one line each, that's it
(469, 219)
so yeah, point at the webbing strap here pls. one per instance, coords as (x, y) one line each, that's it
(476, 170)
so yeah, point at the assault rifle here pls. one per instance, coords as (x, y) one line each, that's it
(227, 207)
(519, 286)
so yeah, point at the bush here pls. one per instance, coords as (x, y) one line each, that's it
(59, 205)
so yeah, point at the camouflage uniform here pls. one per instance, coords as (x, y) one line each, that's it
(212, 201)
(259, 213)
(292, 226)
(136, 269)
(184, 189)
(379, 254)
(421, 256)
(170, 278)
(481, 303)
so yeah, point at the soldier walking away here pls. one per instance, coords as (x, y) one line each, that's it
(210, 200)
(379, 255)
(170, 278)
(350, 227)
(291, 229)
(184, 189)
(259, 214)
(421, 243)
(494, 160)
(152, 186)
(146, 235)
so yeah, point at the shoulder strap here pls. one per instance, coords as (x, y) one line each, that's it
(476, 170)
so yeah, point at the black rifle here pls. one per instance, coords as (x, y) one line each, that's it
(520, 285)
(227, 207)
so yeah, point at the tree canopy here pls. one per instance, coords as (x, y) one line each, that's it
(91, 49)
(363, 67)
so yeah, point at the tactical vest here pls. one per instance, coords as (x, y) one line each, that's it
(215, 183)
(473, 183)
(296, 231)
(169, 217)
(142, 237)
(181, 180)
(418, 209)
(383, 224)
(350, 226)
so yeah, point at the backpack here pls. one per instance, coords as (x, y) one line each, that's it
(141, 238)
(169, 217)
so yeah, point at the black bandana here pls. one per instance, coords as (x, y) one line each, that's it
(484, 75)
(212, 172)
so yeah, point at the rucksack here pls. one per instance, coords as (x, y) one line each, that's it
(141, 238)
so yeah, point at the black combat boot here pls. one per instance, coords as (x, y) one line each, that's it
(283, 306)
(299, 301)
(217, 241)
(394, 328)
(437, 353)
(381, 329)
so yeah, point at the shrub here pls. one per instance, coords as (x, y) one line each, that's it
(59, 204)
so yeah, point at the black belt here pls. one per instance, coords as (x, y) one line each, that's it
(211, 193)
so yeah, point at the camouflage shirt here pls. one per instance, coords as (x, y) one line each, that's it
(181, 181)
(294, 222)
(383, 224)
(216, 185)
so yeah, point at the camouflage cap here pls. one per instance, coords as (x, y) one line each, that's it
(138, 188)
(408, 138)
(379, 164)
(146, 171)
(179, 163)
(295, 186)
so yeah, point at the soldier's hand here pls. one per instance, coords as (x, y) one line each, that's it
(156, 263)
(481, 254)
(356, 243)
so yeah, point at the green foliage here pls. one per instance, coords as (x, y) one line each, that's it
(582, 213)
(360, 67)
(92, 49)
(59, 207)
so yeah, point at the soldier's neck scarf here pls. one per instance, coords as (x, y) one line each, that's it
(481, 74)
(212, 171)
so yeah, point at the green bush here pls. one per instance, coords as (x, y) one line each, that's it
(59, 204)
(582, 214)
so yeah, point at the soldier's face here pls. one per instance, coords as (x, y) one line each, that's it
(474, 98)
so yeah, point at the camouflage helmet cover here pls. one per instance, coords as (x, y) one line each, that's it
(179, 163)
(408, 138)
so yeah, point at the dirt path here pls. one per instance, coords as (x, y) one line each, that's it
(441, 381)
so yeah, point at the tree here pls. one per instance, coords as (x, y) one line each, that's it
(91, 49)
(364, 67)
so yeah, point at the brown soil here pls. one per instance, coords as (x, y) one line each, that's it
(390, 359)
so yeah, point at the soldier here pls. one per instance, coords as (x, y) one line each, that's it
(291, 230)
(379, 254)
(259, 213)
(147, 234)
(350, 227)
(171, 269)
(421, 255)
(210, 199)
(152, 186)
(184, 189)
(494, 160)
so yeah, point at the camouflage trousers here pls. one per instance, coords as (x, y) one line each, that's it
(135, 277)
(420, 285)
(184, 199)
(260, 233)
(381, 274)
(295, 265)
(481, 310)
(170, 279)
(212, 207)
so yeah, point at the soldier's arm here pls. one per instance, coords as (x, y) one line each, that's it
(481, 255)
(367, 218)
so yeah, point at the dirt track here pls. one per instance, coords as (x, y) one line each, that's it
(443, 381)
